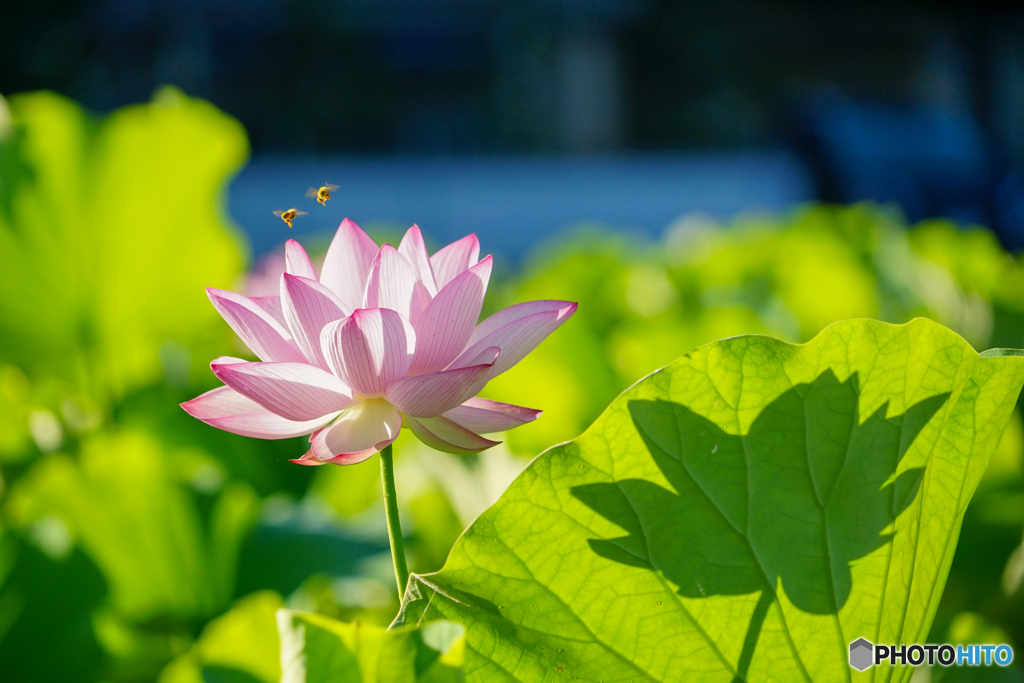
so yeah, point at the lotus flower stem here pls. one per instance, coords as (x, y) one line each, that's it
(387, 477)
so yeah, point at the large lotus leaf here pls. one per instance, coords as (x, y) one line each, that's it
(318, 649)
(743, 514)
(109, 230)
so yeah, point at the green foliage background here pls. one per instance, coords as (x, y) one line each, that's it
(128, 530)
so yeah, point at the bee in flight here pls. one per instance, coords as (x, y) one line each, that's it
(323, 194)
(289, 215)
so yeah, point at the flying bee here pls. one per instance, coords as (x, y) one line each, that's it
(323, 194)
(289, 215)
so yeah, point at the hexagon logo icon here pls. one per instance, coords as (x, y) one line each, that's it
(861, 654)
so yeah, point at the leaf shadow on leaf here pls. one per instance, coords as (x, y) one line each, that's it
(804, 493)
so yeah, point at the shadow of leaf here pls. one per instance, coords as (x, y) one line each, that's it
(809, 489)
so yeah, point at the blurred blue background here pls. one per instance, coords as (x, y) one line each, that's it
(512, 202)
(516, 119)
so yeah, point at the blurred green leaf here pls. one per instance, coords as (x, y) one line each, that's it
(749, 506)
(358, 598)
(111, 230)
(317, 649)
(1013, 573)
(281, 555)
(968, 628)
(232, 519)
(249, 644)
(14, 436)
(1008, 459)
(643, 305)
(46, 608)
(239, 647)
(127, 502)
(349, 490)
(437, 528)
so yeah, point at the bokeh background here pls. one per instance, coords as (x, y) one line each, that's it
(686, 171)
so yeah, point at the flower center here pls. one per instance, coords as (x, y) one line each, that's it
(370, 411)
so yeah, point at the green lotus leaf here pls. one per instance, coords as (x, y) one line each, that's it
(742, 514)
(240, 646)
(318, 649)
(109, 230)
(124, 502)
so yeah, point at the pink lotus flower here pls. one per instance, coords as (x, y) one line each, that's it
(383, 337)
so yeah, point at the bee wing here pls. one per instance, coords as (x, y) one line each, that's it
(278, 213)
(301, 213)
(330, 187)
(311, 192)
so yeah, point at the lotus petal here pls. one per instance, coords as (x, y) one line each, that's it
(434, 393)
(272, 305)
(392, 283)
(307, 307)
(225, 408)
(347, 263)
(361, 431)
(487, 417)
(296, 391)
(296, 261)
(517, 338)
(445, 435)
(368, 350)
(414, 249)
(455, 258)
(448, 321)
(264, 336)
